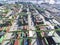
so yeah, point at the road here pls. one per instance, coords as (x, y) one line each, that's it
(31, 27)
(54, 21)
(13, 28)
(10, 12)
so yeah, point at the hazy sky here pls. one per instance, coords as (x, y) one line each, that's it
(15, 0)
(50, 1)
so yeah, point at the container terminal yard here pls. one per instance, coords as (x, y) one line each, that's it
(26, 23)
